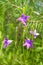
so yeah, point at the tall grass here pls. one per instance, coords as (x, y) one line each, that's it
(15, 53)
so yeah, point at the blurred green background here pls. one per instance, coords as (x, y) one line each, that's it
(15, 53)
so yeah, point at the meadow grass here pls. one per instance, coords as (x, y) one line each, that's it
(15, 53)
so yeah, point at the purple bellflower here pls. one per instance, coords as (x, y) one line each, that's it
(6, 42)
(34, 33)
(28, 43)
(23, 19)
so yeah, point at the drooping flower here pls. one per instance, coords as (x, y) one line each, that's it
(23, 19)
(34, 33)
(28, 43)
(6, 42)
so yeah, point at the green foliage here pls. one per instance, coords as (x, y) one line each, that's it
(15, 53)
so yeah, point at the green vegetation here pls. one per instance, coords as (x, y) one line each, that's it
(15, 53)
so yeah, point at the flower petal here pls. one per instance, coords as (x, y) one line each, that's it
(23, 19)
(28, 46)
(24, 44)
(31, 32)
(23, 23)
(9, 41)
(19, 19)
(5, 45)
(37, 33)
(34, 32)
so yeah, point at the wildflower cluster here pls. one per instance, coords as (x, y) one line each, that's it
(27, 42)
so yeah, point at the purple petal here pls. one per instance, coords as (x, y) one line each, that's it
(9, 41)
(6, 42)
(5, 45)
(28, 43)
(35, 36)
(23, 23)
(28, 46)
(24, 44)
(26, 17)
(23, 19)
(22, 15)
(19, 19)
